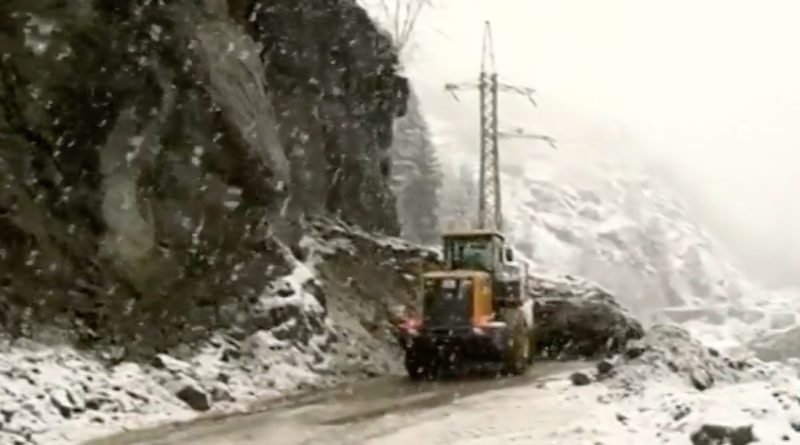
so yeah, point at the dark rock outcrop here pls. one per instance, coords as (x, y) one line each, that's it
(717, 434)
(579, 319)
(196, 398)
(368, 278)
(157, 159)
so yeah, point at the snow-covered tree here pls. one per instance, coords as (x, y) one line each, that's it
(419, 199)
(416, 176)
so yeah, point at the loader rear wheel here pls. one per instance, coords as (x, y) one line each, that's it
(518, 349)
(531, 348)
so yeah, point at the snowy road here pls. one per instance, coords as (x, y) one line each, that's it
(384, 411)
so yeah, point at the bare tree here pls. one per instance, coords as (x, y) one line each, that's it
(402, 16)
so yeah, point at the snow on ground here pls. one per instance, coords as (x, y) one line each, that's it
(559, 413)
(649, 398)
(53, 395)
(57, 395)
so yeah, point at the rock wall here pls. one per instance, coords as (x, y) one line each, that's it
(157, 159)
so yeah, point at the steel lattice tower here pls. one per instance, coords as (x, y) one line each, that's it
(489, 198)
(490, 214)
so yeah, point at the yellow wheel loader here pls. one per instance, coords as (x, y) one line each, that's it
(476, 309)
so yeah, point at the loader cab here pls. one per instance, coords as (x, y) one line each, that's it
(474, 250)
(486, 251)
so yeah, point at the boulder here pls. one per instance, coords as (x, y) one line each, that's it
(575, 318)
(66, 402)
(605, 367)
(195, 397)
(171, 364)
(717, 434)
(670, 349)
(701, 379)
(580, 378)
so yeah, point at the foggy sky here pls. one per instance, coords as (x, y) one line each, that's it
(707, 89)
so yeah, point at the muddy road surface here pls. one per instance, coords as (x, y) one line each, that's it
(358, 413)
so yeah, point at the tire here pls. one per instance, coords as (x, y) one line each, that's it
(416, 367)
(517, 354)
(531, 348)
(532, 336)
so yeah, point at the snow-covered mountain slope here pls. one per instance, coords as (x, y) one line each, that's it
(619, 227)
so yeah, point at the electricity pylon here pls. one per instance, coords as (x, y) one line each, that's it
(490, 214)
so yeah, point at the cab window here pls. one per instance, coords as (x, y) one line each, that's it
(470, 253)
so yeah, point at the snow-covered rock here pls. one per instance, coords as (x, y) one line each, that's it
(669, 386)
(669, 350)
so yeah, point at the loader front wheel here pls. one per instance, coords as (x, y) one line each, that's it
(416, 366)
(518, 351)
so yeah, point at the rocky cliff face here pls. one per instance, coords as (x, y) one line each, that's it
(157, 159)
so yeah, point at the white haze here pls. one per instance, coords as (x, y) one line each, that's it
(707, 91)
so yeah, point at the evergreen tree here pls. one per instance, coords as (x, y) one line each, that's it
(419, 199)
(416, 176)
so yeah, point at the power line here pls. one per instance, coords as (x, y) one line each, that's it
(490, 215)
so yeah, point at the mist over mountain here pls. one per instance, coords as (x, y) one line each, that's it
(713, 113)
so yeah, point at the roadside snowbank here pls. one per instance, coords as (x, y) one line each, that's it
(558, 413)
(667, 411)
(57, 395)
(648, 395)
(669, 387)
(301, 333)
